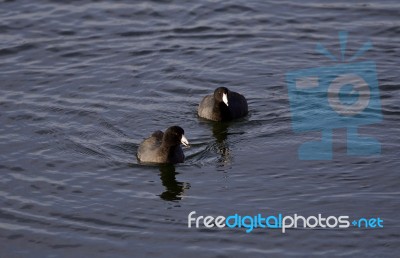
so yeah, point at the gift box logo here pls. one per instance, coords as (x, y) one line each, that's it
(345, 95)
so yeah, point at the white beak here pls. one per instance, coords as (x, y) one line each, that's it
(184, 141)
(225, 98)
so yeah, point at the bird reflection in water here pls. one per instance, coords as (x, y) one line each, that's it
(220, 133)
(173, 188)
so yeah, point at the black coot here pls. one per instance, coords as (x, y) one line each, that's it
(223, 105)
(163, 147)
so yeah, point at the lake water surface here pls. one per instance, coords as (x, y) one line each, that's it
(82, 83)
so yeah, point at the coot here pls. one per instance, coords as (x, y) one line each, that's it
(223, 105)
(163, 147)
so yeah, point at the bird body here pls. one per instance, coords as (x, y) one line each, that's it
(223, 105)
(163, 147)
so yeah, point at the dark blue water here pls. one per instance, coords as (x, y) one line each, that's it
(82, 83)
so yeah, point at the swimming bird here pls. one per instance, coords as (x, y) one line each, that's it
(223, 105)
(163, 147)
